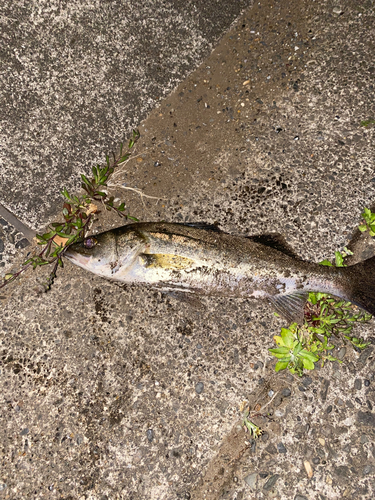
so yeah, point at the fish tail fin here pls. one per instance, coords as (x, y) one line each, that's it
(362, 284)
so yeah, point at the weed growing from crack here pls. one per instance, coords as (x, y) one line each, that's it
(252, 428)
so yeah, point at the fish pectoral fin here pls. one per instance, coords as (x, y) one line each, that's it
(275, 241)
(290, 306)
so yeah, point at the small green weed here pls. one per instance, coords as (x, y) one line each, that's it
(253, 429)
(77, 214)
(369, 222)
(300, 348)
(366, 123)
(291, 353)
(339, 258)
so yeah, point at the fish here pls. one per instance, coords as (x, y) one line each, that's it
(201, 259)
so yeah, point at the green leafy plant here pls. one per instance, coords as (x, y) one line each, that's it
(339, 258)
(291, 353)
(300, 348)
(369, 222)
(77, 214)
(327, 317)
(253, 429)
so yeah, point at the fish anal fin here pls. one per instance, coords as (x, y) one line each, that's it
(290, 306)
(276, 241)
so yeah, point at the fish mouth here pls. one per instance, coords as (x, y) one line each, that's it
(77, 258)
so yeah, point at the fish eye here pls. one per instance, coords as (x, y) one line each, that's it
(89, 242)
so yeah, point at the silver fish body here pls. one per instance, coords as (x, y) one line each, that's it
(204, 260)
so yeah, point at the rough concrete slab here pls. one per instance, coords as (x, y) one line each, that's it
(76, 77)
(122, 392)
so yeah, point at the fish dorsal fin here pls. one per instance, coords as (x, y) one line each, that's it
(276, 241)
(201, 225)
(290, 306)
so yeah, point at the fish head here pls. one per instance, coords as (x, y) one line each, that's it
(97, 254)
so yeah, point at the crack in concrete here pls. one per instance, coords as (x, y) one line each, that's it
(219, 472)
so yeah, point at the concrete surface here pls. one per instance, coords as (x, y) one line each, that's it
(75, 77)
(124, 393)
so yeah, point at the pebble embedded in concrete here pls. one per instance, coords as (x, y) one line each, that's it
(251, 480)
(199, 387)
